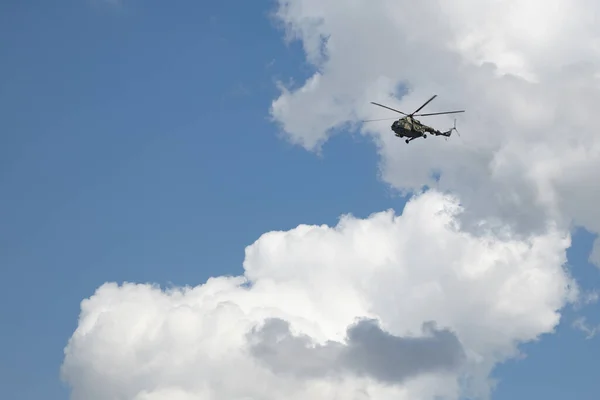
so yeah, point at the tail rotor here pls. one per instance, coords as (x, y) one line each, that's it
(452, 129)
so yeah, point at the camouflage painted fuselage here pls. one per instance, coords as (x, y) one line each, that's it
(411, 128)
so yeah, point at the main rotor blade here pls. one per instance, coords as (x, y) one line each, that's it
(427, 102)
(389, 108)
(439, 113)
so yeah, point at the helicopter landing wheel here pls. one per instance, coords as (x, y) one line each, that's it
(407, 141)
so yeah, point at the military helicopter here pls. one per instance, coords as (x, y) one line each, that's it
(411, 128)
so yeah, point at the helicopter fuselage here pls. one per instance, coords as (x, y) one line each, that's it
(411, 128)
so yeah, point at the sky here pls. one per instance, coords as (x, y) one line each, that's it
(185, 188)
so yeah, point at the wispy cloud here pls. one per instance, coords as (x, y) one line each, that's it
(586, 298)
(589, 330)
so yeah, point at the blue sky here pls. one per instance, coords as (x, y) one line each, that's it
(135, 145)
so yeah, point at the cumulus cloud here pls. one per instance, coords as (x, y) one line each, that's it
(527, 72)
(485, 293)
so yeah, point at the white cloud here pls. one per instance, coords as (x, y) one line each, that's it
(140, 342)
(527, 72)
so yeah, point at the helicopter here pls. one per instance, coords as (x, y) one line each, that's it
(412, 128)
